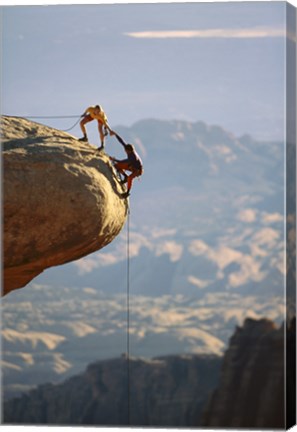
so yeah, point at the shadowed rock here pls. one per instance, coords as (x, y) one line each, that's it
(163, 392)
(251, 388)
(61, 200)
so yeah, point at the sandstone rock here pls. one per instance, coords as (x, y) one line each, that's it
(61, 200)
(250, 393)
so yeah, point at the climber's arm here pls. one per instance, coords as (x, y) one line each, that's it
(121, 141)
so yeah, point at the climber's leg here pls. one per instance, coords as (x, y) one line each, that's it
(102, 135)
(85, 120)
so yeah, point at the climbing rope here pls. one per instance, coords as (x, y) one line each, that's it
(128, 276)
(67, 130)
(58, 117)
(54, 117)
(128, 311)
(46, 117)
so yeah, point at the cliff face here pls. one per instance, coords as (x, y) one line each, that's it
(61, 200)
(169, 391)
(251, 389)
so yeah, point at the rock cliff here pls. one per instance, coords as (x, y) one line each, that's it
(250, 393)
(61, 200)
(165, 391)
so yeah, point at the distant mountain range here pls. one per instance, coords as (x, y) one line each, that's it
(165, 391)
(206, 251)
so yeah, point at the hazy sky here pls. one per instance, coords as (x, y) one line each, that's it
(222, 63)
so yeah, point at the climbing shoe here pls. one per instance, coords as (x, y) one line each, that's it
(126, 194)
(100, 148)
(83, 139)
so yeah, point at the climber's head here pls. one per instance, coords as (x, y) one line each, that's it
(130, 148)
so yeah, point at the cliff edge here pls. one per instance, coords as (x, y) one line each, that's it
(61, 200)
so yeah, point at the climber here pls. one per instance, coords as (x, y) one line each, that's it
(95, 113)
(132, 163)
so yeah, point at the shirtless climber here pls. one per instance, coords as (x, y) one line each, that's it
(95, 113)
(132, 163)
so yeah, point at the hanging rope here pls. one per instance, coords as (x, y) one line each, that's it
(67, 130)
(128, 312)
(128, 275)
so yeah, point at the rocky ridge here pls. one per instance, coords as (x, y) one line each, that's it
(245, 389)
(165, 391)
(61, 200)
(251, 389)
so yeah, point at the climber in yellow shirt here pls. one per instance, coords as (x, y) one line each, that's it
(95, 113)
